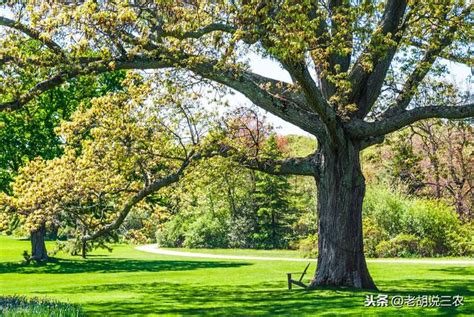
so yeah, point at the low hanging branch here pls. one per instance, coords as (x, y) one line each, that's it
(142, 194)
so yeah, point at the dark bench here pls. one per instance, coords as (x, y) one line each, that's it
(299, 281)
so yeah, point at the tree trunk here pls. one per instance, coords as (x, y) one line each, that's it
(341, 190)
(84, 250)
(38, 246)
(84, 243)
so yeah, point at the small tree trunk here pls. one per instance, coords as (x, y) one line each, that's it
(341, 190)
(38, 246)
(84, 249)
(84, 244)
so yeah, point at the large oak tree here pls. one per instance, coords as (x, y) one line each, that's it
(340, 55)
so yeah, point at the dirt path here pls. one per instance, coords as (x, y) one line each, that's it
(152, 248)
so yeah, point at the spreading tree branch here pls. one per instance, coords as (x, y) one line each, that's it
(467, 60)
(32, 33)
(437, 45)
(314, 98)
(366, 83)
(142, 194)
(264, 92)
(290, 166)
(361, 129)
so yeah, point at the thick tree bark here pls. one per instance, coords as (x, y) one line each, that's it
(38, 246)
(341, 189)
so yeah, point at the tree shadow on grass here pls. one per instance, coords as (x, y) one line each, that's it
(456, 270)
(210, 300)
(434, 287)
(113, 265)
(268, 299)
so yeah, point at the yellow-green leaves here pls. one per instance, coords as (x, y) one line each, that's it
(116, 148)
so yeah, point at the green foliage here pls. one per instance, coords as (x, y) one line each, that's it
(272, 206)
(397, 225)
(405, 245)
(461, 241)
(172, 233)
(253, 209)
(119, 150)
(298, 145)
(29, 133)
(386, 207)
(19, 306)
(308, 247)
(405, 163)
(240, 230)
(431, 219)
(402, 245)
(432, 159)
(206, 232)
(373, 234)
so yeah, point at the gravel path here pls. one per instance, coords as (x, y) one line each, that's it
(152, 248)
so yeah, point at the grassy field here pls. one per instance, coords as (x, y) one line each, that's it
(130, 282)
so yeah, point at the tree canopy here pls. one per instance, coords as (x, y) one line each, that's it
(126, 146)
(350, 46)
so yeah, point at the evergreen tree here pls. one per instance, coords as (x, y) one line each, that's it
(271, 201)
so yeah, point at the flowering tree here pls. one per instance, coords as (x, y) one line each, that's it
(126, 146)
(340, 55)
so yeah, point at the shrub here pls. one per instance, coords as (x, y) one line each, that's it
(426, 247)
(308, 247)
(384, 249)
(172, 233)
(373, 235)
(433, 220)
(461, 242)
(390, 215)
(240, 232)
(21, 306)
(403, 245)
(385, 207)
(206, 232)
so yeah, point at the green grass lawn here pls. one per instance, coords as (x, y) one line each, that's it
(129, 282)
